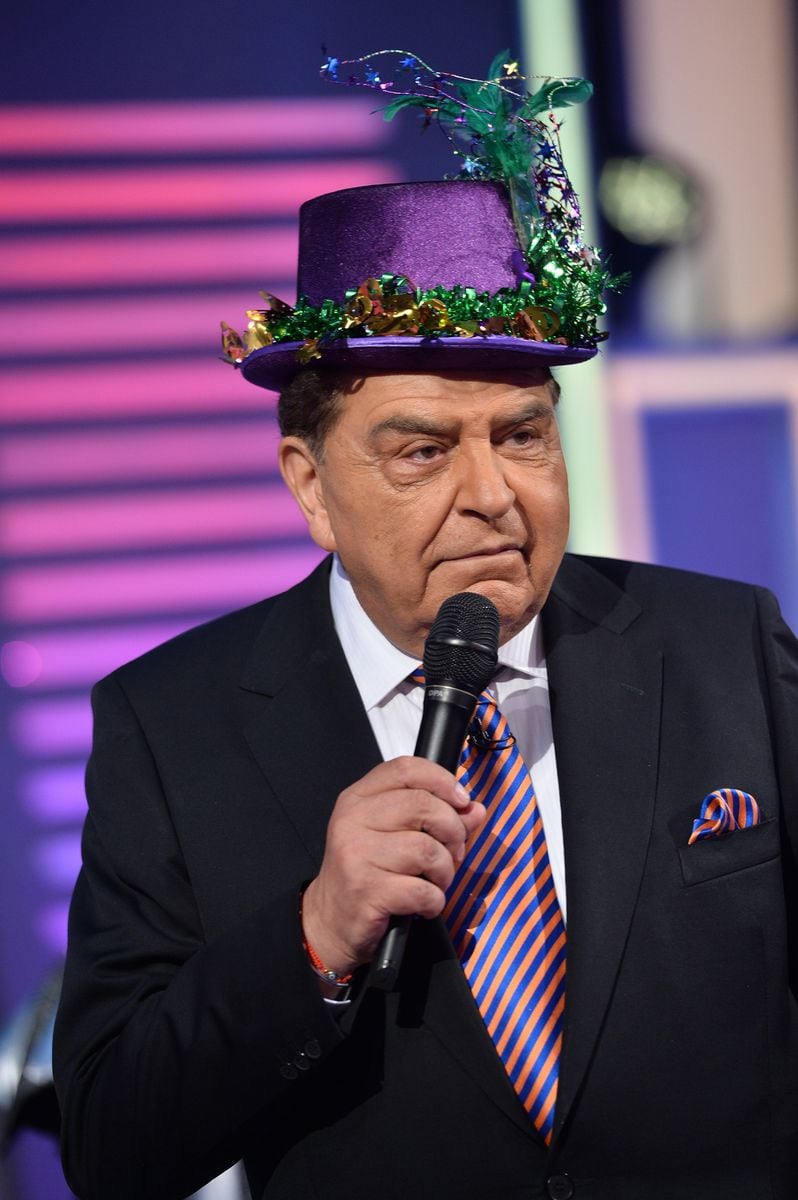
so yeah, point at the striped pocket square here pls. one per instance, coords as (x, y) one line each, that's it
(723, 811)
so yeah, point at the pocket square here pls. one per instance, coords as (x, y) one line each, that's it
(723, 811)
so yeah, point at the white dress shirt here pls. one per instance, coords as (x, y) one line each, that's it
(393, 703)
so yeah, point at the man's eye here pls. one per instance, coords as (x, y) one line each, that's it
(521, 437)
(425, 453)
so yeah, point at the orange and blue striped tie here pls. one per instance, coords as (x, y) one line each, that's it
(504, 917)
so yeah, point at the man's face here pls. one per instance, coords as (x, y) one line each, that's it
(435, 484)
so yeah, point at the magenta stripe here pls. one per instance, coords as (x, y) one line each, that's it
(127, 388)
(211, 582)
(188, 126)
(133, 454)
(148, 322)
(156, 518)
(124, 259)
(155, 193)
(52, 727)
(70, 657)
(20, 663)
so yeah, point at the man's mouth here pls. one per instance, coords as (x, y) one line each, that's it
(487, 552)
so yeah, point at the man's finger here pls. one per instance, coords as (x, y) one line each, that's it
(412, 773)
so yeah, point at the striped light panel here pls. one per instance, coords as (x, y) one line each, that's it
(138, 485)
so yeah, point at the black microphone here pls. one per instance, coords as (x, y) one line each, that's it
(460, 659)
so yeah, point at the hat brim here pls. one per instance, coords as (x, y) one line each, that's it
(275, 366)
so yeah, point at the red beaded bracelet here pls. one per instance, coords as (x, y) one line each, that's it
(318, 966)
(325, 972)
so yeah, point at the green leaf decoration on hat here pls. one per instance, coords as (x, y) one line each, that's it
(447, 108)
(556, 93)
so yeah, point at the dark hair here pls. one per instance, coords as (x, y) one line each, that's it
(308, 406)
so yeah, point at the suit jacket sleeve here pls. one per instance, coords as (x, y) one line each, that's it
(168, 1043)
(780, 657)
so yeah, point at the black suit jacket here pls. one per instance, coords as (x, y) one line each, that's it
(192, 1032)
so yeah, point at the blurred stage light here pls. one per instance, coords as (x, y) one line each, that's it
(650, 200)
(20, 664)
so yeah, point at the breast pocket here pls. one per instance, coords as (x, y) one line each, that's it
(711, 858)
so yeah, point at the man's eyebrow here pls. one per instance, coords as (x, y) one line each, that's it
(412, 425)
(537, 410)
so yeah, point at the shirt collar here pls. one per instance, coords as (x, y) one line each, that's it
(378, 666)
(380, 669)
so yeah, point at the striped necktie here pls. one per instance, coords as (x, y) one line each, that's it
(504, 917)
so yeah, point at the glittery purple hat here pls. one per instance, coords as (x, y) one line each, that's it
(451, 234)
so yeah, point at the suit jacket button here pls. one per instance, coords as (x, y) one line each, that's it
(301, 1061)
(313, 1049)
(560, 1187)
(288, 1071)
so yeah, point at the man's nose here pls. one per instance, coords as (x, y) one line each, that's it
(482, 485)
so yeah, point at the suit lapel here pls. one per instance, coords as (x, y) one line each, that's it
(312, 737)
(605, 687)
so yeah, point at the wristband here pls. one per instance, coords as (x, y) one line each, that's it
(341, 981)
(325, 973)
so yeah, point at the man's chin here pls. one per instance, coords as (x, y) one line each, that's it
(516, 607)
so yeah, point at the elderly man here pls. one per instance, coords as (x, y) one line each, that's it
(257, 817)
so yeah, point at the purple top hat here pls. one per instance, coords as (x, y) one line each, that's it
(438, 234)
(441, 233)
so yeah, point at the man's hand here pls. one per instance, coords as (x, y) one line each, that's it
(394, 842)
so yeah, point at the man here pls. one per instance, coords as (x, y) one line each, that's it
(256, 816)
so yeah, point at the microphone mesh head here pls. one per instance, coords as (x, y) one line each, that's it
(462, 646)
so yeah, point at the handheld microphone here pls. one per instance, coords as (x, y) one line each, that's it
(460, 659)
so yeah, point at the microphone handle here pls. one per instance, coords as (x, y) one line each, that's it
(444, 724)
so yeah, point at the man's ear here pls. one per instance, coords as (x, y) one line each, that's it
(300, 470)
